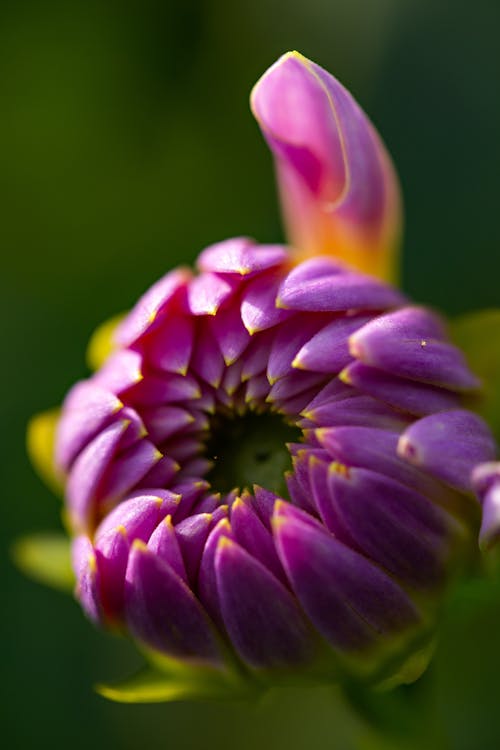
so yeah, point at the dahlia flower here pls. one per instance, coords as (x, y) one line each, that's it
(271, 473)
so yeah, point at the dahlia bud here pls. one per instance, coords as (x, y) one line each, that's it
(273, 463)
(270, 473)
(338, 188)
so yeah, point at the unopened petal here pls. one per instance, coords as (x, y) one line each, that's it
(349, 599)
(339, 191)
(162, 612)
(448, 445)
(261, 617)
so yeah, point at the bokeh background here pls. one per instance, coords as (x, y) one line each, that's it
(126, 145)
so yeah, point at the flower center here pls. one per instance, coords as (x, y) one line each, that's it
(250, 449)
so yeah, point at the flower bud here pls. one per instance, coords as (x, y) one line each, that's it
(271, 473)
(338, 188)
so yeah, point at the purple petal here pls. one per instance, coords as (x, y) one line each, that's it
(448, 446)
(190, 492)
(208, 362)
(87, 409)
(393, 525)
(232, 377)
(182, 450)
(362, 411)
(171, 347)
(151, 304)
(258, 307)
(138, 516)
(207, 583)
(170, 388)
(196, 467)
(257, 390)
(170, 501)
(299, 496)
(261, 618)
(328, 350)
(302, 463)
(411, 396)
(334, 390)
(162, 612)
(161, 475)
(409, 343)
(376, 449)
(311, 270)
(112, 553)
(240, 255)
(338, 292)
(256, 355)
(208, 504)
(254, 537)
(349, 600)
(264, 500)
(135, 518)
(409, 322)
(294, 405)
(294, 383)
(125, 471)
(163, 422)
(135, 431)
(231, 335)
(288, 341)
(87, 578)
(163, 542)
(191, 535)
(87, 472)
(121, 371)
(206, 293)
(339, 191)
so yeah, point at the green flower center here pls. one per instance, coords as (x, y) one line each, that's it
(250, 449)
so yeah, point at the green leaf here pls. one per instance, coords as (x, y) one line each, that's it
(46, 558)
(478, 335)
(148, 686)
(40, 439)
(102, 342)
(152, 685)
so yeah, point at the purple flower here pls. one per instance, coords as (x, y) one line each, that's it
(272, 466)
(272, 460)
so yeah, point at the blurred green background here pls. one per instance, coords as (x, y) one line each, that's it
(126, 146)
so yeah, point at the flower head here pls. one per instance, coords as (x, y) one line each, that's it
(272, 466)
(273, 459)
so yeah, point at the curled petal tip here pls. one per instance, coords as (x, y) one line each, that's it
(339, 191)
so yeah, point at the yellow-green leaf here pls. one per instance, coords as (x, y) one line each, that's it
(152, 685)
(102, 343)
(45, 557)
(40, 440)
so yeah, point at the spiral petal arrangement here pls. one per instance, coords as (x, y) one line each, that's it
(348, 549)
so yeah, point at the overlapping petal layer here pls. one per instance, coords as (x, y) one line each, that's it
(351, 551)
